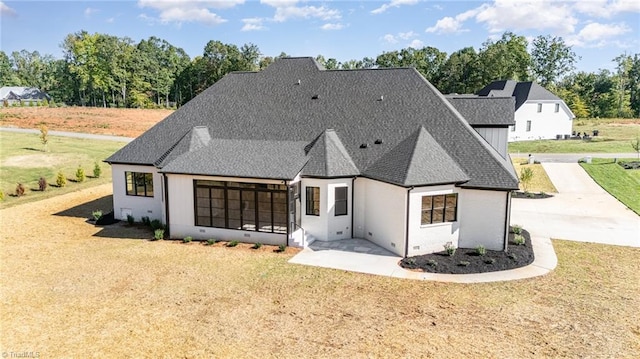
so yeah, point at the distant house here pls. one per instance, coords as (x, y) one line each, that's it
(296, 153)
(10, 95)
(539, 114)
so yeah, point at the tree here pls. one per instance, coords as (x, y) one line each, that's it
(7, 72)
(460, 72)
(526, 175)
(505, 59)
(635, 144)
(44, 136)
(551, 59)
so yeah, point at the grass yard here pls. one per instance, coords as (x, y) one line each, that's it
(620, 183)
(615, 137)
(540, 181)
(23, 160)
(69, 289)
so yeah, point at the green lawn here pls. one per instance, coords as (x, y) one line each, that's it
(620, 183)
(615, 136)
(23, 160)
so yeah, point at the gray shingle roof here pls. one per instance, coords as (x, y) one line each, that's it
(522, 91)
(485, 111)
(295, 100)
(329, 158)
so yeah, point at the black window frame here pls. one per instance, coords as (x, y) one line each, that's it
(139, 180)
(341, 206)
(312, 201)
(528, 125)
(432, 210)
(539, 107)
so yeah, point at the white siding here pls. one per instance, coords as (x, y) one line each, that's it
(430, 238)
(496, 136)
(381, 214)
(544, 125)
(137, 206)
(483, 217)
(327, 226)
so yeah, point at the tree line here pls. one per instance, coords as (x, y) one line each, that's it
(109, 71)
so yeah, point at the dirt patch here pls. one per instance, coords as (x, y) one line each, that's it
(33, 161)
(103, 121)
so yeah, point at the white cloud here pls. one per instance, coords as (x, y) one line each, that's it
(597, 35)
(305, 12)
(606, 9)
(90, 11)
(332, 26)
(449, 24)
(178, 11)
(253, 24)
(407, 35)
(416, 44)
(110, 20)
(393, 3)
(389, 38)
(6, 10)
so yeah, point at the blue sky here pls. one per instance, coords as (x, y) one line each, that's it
(598, 30)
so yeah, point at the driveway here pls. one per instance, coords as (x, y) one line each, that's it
(581, 211)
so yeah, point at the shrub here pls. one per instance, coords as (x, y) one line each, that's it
(156, 224)
(97, 171)
(61, 180)
(96, 214)
(463, 263)
(158, 234)
(42, 184)
(80, 176)
(450, 248)
(282, 248)
(211, 241)
(512, 256)
(432, 263)
(410, 261)
(130, 219)
(257, 245)
(526, 175)
(517, 229)
(187, 239)
(1, 195)
(232, 244)
(518, 239)
(44, 136)
(489, 260)
(20, 190)
(481, 250)
(146, 221)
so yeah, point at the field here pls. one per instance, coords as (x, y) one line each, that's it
(620, 183)
(23, 160)
(69, 289)
(105, 121)
(615, 137)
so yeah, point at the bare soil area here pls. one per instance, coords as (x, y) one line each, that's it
(103, 121)
(71, 289)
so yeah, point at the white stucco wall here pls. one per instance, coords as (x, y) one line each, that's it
(380, 214)
(496, 136)
(482, 215)
(430, 238)
(182, 213)
(327, 226)
(544, 125)
(137, 206)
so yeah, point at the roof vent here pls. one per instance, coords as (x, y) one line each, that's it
(298, 83)
(314, 97)
(381, 98)
(364, 145)
(378, 142)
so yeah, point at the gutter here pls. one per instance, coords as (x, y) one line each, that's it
(507, 219)
(406, 244)
(166, 204)
(353, 196)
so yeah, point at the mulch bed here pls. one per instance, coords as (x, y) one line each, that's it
(516, 256)
(531, 195)
(630, 165)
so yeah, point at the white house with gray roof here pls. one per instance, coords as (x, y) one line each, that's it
(539, 114)
(296, 153)
(10, 95)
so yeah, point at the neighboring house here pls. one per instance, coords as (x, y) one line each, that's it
(539, 114)
(295, 153)
(10, 95)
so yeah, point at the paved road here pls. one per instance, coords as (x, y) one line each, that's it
(581, 211)
(70, 134)
(571, 157)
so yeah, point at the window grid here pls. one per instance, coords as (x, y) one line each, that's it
(313, 201)
(139, 184)
(439, 208)
(341, 203)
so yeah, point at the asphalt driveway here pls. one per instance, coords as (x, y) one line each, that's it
(581, 211)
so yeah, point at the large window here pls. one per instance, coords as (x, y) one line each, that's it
(313, 201)
(439, 209)
(245, 206)
(340, 207)
(139, 184)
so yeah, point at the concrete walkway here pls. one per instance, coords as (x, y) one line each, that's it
(581, 211)
(571, 157)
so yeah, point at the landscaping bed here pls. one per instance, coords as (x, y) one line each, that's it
(468, 261)
(532, 195)
(630, 165)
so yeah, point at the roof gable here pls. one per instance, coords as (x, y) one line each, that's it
(329, 158)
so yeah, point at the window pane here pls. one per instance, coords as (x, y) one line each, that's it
(148, 179)
(426, 202)
(129, 180)
(426, 217)
(450, 215)
(313, 201)
(249, 210)
(438, 216)
(340, 208)
(264, 211)
(452, 199)
(203, 221)
(438, 201)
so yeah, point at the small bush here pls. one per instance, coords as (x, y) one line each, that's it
(42, 184)
(97, 214)
(517, 229)
(211, 242)
(481, 250)
(130, 219)
(432, 263)
(232, 244)
(20, 190)
(97, 171)
(489, 261)
(512, 256)
(410, 261)
(282, 248)
(80, 176)
(450, 248)
(156, 224)
(158, 234)
(146, 221)
(187, 239)
(257, 245)
(61, 180)
(1, 195)
(518, 239)
(463, 263)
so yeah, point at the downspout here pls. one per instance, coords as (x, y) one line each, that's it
(406, 244)
(507, 219)
(166, 204)
(353, 196)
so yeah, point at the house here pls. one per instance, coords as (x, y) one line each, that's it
(539, 114)
(10, 95)
(296, 153)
